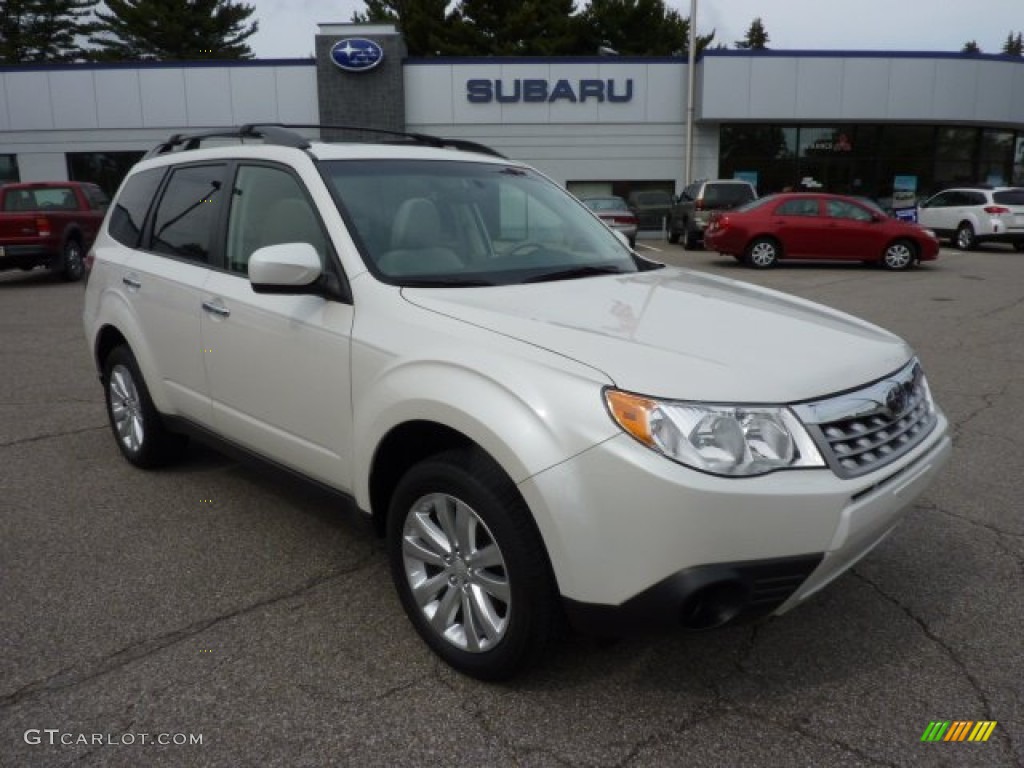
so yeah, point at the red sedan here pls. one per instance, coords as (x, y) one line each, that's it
(818, 226)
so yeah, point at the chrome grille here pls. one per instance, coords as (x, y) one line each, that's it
(862, 431)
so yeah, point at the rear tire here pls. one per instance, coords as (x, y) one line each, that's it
(470, 567)
(138, 429)
(965, 239)
(1018, 247)
(763, 253)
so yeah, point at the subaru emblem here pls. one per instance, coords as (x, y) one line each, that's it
(356, 54)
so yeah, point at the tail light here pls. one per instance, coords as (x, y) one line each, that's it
(623, 220)
(43, 226)
(996, 210)
(698, 204)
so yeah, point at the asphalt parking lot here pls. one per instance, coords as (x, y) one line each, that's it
(219, 601)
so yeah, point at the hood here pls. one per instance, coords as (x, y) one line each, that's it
(676, 333)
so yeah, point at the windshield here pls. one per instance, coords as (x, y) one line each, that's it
(439, 222)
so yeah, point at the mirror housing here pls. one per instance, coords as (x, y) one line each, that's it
(285, 268)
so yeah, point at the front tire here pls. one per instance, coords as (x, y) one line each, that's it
(899, 255)
(138, 430)
(965, 239)
(763, 253)
(469, 565)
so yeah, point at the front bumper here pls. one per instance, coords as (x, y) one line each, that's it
(638, 540)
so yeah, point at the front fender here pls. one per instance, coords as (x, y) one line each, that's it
(526, 415)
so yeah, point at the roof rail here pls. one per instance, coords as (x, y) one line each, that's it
(270, 133)
(405, 136)
(282, 134)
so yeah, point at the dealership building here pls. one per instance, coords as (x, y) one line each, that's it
(854, 122)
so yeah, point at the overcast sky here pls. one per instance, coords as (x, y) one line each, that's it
(287, 27)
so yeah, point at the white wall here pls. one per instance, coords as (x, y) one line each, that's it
(48, 111)
(585, 140)
(861, 87)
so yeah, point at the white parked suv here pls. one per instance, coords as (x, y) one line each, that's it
(971, 215)
(543, 424)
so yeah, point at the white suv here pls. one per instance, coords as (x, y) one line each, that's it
(971, 215)
(542, 424)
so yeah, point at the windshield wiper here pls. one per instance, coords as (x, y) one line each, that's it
(441, 282)
(573, 273)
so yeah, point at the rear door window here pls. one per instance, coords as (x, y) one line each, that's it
(798, 207)
(188, 212)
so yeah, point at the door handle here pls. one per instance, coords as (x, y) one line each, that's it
(132, 281)
(216, 308)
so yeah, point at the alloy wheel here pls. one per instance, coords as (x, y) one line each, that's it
(456, 572)
(126, 408)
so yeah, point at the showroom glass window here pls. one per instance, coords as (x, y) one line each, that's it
(8, 169)
(995, 157)
(188, 212)
(105, 169)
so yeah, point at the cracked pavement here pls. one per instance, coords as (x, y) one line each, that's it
(215, 598)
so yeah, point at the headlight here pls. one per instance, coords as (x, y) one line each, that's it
(730, 440)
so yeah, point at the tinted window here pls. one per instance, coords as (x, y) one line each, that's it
(973, 198)
(131, 206)
(269, 207)
(727, 195)
(97, 197)
(187, 213)
(1009, 197)
(799, 207)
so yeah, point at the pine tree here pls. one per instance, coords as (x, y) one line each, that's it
(43, 30)
(756, 39)
(424, 23)
(174, 30)
(637, 27)
(515, 28)
(1014, 45)
(971, 46)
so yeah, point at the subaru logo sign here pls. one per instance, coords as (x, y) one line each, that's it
(356, 54)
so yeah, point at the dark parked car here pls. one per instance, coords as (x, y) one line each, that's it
(818, 226)
(614, 212)
(651, 207)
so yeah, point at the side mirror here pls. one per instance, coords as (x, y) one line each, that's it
(285, 268)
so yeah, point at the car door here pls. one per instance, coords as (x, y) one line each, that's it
(162, 280)
(798, 225)
(278, 364)
(936, 213)
(851, 232)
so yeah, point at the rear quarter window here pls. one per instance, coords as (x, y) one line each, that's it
(131, 206)
(1009, 197)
